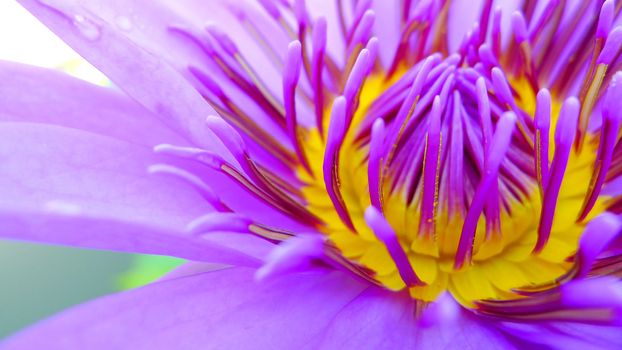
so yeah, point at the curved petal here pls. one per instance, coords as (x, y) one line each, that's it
(211, 307)
(145, 76)
(67, 186)
(212, 310)
(387, 322)
(58, 99)
(156, 52)
(134, 44)
(39, 95)
(567, 335)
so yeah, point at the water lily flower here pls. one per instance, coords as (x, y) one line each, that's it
(341, 174)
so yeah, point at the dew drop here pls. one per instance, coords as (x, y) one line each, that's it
(124, 23)
(86, 27)
(62, 207)
(46, 3)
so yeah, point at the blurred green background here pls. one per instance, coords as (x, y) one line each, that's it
(37, 281)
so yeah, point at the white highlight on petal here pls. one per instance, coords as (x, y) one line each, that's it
(62, 207)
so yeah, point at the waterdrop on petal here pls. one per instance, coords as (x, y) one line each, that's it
(62, 207)
(86, 27)
(124, 23)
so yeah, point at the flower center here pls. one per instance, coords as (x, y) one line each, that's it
(428, 172)
(429, 179)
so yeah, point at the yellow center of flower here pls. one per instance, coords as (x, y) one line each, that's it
(500, 263)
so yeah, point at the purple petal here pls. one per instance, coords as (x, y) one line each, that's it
(218, 309)
(38, 95)
(599, 233)
(205, 306)
(68, 186)
(566, 336)
(379, 319)
(210, 306)
(90, 28)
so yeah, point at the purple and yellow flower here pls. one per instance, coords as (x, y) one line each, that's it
(343, 174)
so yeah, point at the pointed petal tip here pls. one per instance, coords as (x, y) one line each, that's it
(216, 221)
(294, 254)
(519, 26)
(605, 19)
(566, 127)
(227, 135)
(612, 46)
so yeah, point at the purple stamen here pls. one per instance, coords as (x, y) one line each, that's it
(363, 31)
(448, 85)
(612, 47)
(360, 10)
(608, 138)
(241, 120)
(564, 137)
(235, 144)
(300, 11)
(496, 32)
(290, 81)
(206, 157)
(407, 4)
(605, 19)
(219, 222)
(408, 106)
(412, 25)
(598, 234)
(218, 164)
(271, 8)
(336, 133)
(302, 17)
(373, 46)
(317, 65)
(431, 169)
(385, 233)
(497, 150)
(252, 27)
(538, 26)
(188, 34)
(228, 136)
(456, 160)
(493, 211)
(519, 27)
(484, 19)
(375, 168)
(541, 137)
(483, 106)
(355, 81)
(223, 39)
(266, 102)
(501, 87)
(295, 254)
(437, 136)
(487, 57)
(204, 190)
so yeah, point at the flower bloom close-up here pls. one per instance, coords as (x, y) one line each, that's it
(352, 174)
